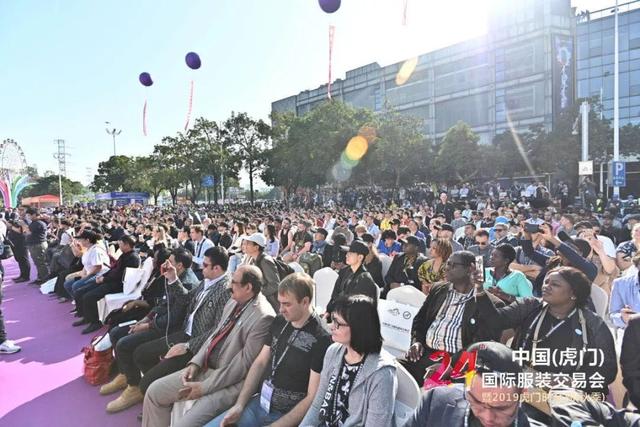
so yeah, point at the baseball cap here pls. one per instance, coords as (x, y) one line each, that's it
(257, 238)
(493, 356)
(359, 247)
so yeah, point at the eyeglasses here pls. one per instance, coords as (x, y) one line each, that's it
(500, 230)
(452, 264)
(337, 324)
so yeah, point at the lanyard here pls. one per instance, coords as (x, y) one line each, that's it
(290, 341)
(540, 319)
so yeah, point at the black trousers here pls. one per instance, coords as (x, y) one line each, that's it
(23, 262)
(417, 369)
(91, 297)
(148, 356)
(125, 345)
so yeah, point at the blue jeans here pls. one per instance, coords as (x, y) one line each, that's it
(72, 285)
(252, 416)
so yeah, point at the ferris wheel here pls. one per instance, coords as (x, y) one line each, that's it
(12, 158)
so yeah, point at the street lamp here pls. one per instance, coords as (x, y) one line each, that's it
(113, 132)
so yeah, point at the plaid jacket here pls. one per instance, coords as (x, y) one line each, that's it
(208, 313)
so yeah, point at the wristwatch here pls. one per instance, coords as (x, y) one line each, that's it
(186, 346)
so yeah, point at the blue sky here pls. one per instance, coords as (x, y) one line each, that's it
(67, 66)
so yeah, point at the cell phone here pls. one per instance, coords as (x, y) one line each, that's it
(480, 267)
(531, 228)
(130, 322)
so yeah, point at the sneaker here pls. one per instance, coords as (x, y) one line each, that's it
(129, 397)
(9, 347)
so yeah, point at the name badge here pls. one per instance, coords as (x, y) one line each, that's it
(265, 396)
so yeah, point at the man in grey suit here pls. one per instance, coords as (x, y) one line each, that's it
(204, 305)
(215, 375)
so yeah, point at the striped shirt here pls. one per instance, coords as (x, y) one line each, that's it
(445, 333)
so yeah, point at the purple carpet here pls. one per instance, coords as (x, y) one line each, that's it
(42, 385)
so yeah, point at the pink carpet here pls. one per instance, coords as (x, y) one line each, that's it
(42, 385)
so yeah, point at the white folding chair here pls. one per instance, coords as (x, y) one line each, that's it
(396, 319)
(407, 295)
(296, 267)
(408, 396)
(600, 300)
(112, 302)
(325, 280)
(386, 263)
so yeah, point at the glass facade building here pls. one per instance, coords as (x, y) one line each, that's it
(594, 71)
(537, 57)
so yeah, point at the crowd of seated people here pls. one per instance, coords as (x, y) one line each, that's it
(224, 332)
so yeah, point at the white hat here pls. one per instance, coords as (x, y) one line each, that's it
(257, 238)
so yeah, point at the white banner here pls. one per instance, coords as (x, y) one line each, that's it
(396, 319)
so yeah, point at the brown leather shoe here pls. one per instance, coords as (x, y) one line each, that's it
(116, 384)
(129, 397)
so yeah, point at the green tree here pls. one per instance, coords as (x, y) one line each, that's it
(49, 185)
(401, 153)
(457, 158)
(116, 174)
(249, 141)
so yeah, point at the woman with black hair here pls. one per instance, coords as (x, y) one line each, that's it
(358, 381)
(559, 323)
(503, 282)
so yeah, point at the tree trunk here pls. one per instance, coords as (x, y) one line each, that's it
(251, 182)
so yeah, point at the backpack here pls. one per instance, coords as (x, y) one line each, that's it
(283, 268)
(310, 262)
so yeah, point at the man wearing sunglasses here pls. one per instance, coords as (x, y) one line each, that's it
(449, 319)
(479, 404)
(482, 247)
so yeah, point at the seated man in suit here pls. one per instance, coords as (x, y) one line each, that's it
(448, 320)
(200, 311)
(214, 376)
(110, 283)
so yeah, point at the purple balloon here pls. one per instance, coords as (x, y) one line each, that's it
(193, 60)
(329, 6)
(145, 79)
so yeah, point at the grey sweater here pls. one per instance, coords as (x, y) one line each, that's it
(372, 395)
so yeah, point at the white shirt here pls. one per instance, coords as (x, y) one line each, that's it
(200, 249)
(95, 255)
(208, 283)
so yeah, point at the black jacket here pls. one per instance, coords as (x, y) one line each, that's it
(398, 274)
(349, 283)
(375, 269)
(116, 274)
(630, 360)
(474, 326)
(446, 406)
(521, 314)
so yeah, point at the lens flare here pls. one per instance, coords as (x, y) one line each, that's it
(340, 173)
(347, 162)
(519, 145)
(406, 71)
(356, 148)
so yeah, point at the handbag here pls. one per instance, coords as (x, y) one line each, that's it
(97, 364)
(119, 316)
(7, 249)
